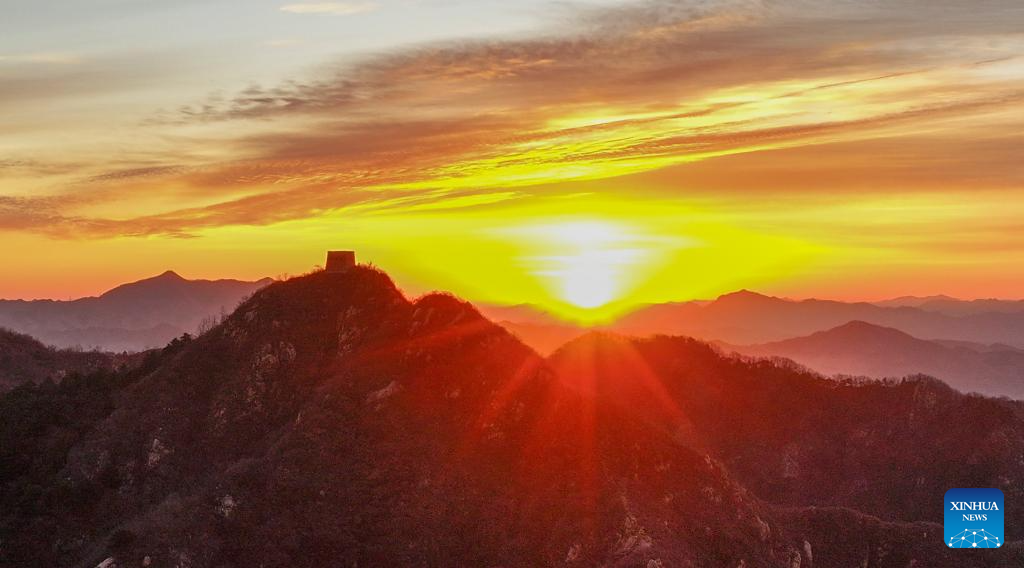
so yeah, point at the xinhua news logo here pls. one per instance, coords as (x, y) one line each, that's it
(974, 518)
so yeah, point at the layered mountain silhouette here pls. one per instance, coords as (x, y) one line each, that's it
(130, 317)
(330, 421)
(860, 348)
(746, 317)
(954, 306)
(975, 345)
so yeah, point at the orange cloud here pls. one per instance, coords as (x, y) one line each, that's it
(663, 90)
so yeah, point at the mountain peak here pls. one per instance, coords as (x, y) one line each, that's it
(860, 327)
(147, 286)
(744, 295)
(855, 335)
(860, 324)
(169, 275)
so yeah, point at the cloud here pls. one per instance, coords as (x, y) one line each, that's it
(42, 57)
(334, 8)
(283, 42)
(638, 90)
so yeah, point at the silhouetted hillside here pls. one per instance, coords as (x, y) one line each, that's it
(890, 449)
(860, 348)
(329, 421)
(26, 360)
(130, 317)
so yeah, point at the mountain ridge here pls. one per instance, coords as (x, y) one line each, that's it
(416, 432)
(756, 318)
(862, 348)
(745, 317)
(131, 317)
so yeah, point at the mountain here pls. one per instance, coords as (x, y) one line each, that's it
(954, 306)
(746, 317)
(26, 360)
(887, 448)
(967, 307)
(860, 348)
(980, 347)
(130, 317)
(914, 301)
(331, 421)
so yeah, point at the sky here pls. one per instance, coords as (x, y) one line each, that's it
(585, 156)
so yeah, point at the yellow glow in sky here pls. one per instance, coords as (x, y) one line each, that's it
(640, 155)
(608, 256)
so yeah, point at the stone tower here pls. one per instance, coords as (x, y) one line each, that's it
(340, 260)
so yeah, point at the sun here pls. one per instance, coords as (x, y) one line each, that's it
(589, 279)
(588, 282)
(589, 262)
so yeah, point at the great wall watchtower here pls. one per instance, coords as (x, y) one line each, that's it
(340, 260)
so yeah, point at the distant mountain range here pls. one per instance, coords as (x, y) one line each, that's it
(975, 345)
(746, 317)
(131, 317)
(864, 349)
(954, 306)
(330, 421)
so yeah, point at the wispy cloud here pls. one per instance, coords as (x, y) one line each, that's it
(639, 90)
(283, 42)
(334, 8)
(44, 57)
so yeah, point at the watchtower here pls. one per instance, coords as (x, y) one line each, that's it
(340, 260)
